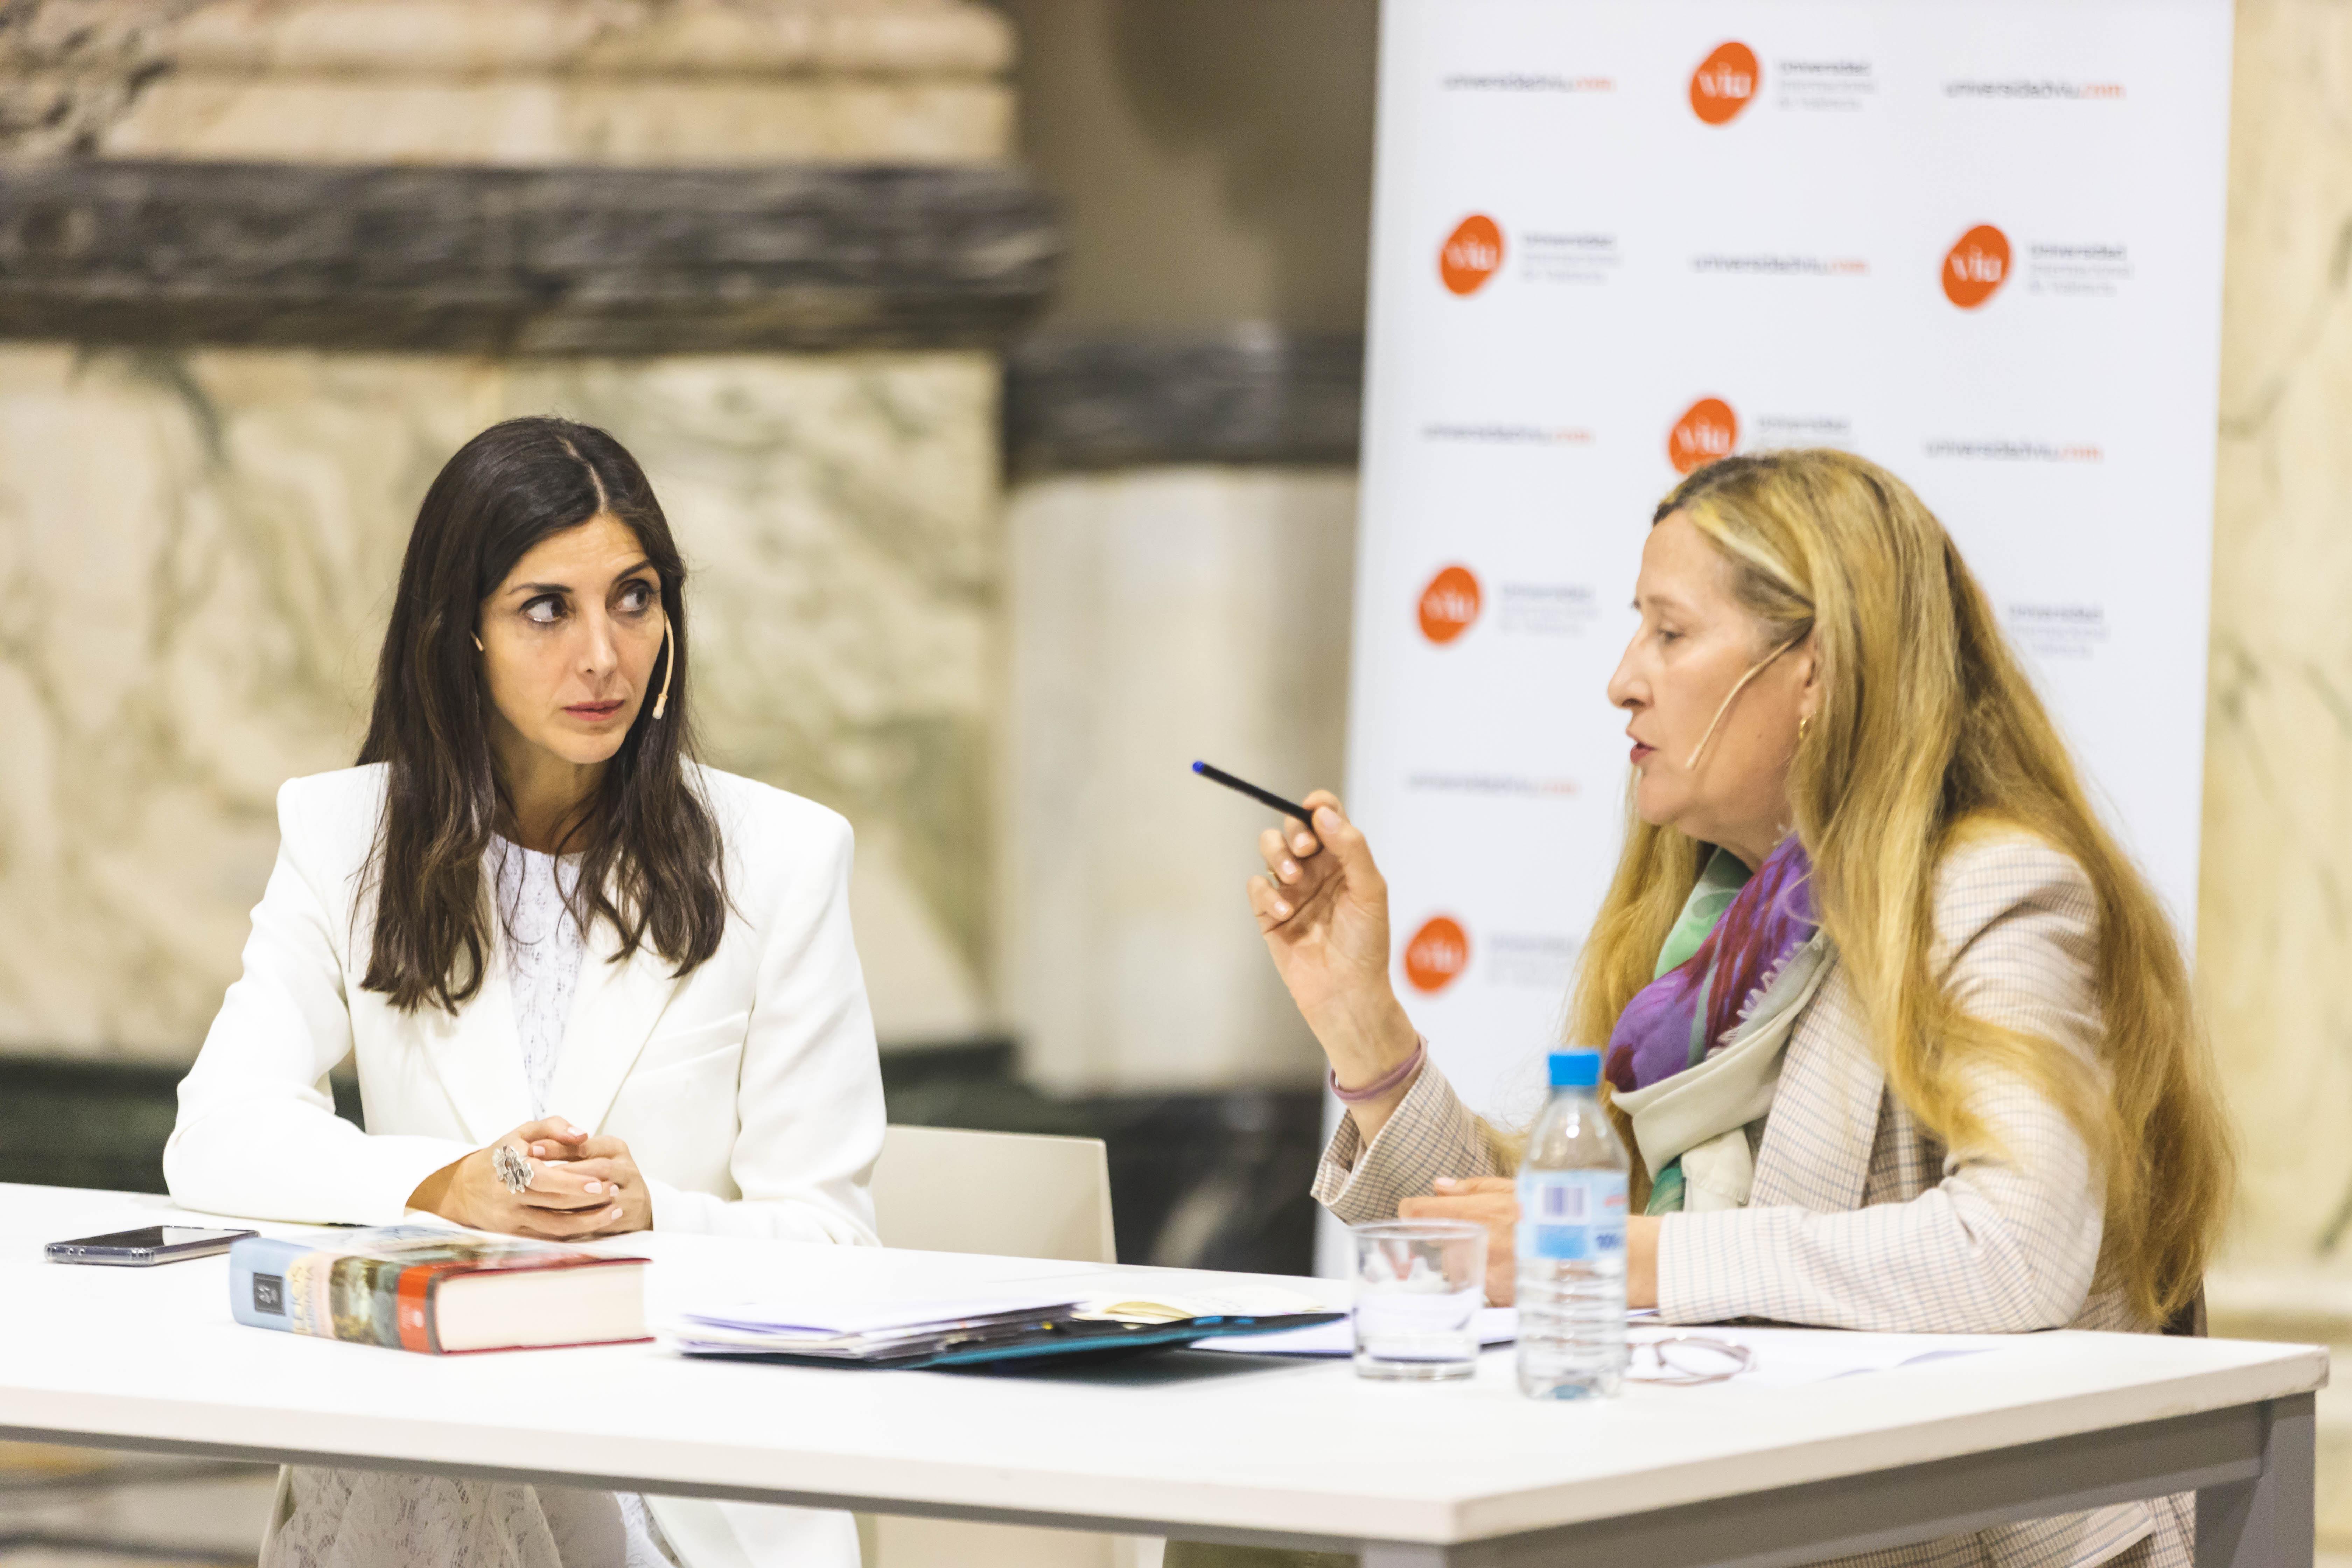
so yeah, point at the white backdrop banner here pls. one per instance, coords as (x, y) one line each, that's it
(1977, 241)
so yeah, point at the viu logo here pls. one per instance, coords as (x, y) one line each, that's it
(1975, 267)
(1708, 430)
(1725, 83)
(1449, 604)
(1471, 254)
(1438, 951)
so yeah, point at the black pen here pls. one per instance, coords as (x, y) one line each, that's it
(1264, 797)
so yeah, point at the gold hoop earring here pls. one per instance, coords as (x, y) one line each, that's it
(1803, 724)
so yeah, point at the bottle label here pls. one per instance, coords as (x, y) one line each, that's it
(1571, 1214)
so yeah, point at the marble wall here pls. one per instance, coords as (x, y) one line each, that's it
(629, 82)
(2274, 926)
(197, 543)
(198, 549)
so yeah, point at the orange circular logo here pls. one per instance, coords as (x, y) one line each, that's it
(1438, 951)
(1977, 266)
(1449, 604)
(1724, 83)
(1708, 430)
(1471, 254)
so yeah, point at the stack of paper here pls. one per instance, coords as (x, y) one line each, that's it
(898, 1333)
(858, 1332)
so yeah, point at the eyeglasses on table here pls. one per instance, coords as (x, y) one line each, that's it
(1683, 1360)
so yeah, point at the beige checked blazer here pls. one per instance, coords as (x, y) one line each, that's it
(1858, 1220)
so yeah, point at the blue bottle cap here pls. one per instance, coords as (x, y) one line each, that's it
(1575, 1069)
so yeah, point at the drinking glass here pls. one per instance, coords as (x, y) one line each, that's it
(1419, 1286)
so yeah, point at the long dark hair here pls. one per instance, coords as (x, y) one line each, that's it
(650, 847)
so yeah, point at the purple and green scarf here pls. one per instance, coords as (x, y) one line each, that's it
(1736, 933)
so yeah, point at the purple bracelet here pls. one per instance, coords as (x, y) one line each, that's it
(1401, 1073)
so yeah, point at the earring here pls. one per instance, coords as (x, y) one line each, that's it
(478, 644)
(1803, 724)
(669, 646)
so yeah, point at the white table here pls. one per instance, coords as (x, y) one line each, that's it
(1194, 1446)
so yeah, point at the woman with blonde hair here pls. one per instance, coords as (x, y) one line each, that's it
(1900, 1037)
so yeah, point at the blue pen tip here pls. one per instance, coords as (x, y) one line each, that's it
(1198, 766)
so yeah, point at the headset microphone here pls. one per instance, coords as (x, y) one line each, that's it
(669, 646)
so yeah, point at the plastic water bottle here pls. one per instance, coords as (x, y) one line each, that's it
(1572, 1241)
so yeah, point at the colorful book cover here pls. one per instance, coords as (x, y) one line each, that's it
(375, 1286)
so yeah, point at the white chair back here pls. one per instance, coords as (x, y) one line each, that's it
(944, 1189)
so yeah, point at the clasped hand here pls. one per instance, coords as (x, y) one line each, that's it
(1493, 1202)
(581, 1186)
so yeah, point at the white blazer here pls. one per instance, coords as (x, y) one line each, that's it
(750, 1092)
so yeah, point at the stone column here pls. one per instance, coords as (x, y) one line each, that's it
(1180, 532)
(2275, 926)
(1180, 569)
(264, 264)
(2275, 921)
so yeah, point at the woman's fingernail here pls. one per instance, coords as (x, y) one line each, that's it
(1302, 843)
(573, 1132)
(1290, 867)
(1444, 1181)
(596, 1186)
(1281, 910)
(538, 1150)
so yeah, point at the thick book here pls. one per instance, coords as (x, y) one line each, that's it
(416, 1287)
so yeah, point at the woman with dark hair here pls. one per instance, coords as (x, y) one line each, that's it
(543, 931)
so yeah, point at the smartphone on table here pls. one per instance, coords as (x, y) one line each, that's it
(144, 1248)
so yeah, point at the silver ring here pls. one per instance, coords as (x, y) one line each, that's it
(511, 1167)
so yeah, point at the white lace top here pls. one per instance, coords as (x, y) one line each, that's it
(384, 1519)
(543, 953)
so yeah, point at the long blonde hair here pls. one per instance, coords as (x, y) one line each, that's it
(1929, 731)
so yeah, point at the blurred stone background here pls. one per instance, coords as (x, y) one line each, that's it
(997, 365)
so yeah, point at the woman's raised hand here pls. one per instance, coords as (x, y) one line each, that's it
(581, 1186)
(1324, 911)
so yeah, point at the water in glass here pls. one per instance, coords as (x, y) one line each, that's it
(1419, 1286)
